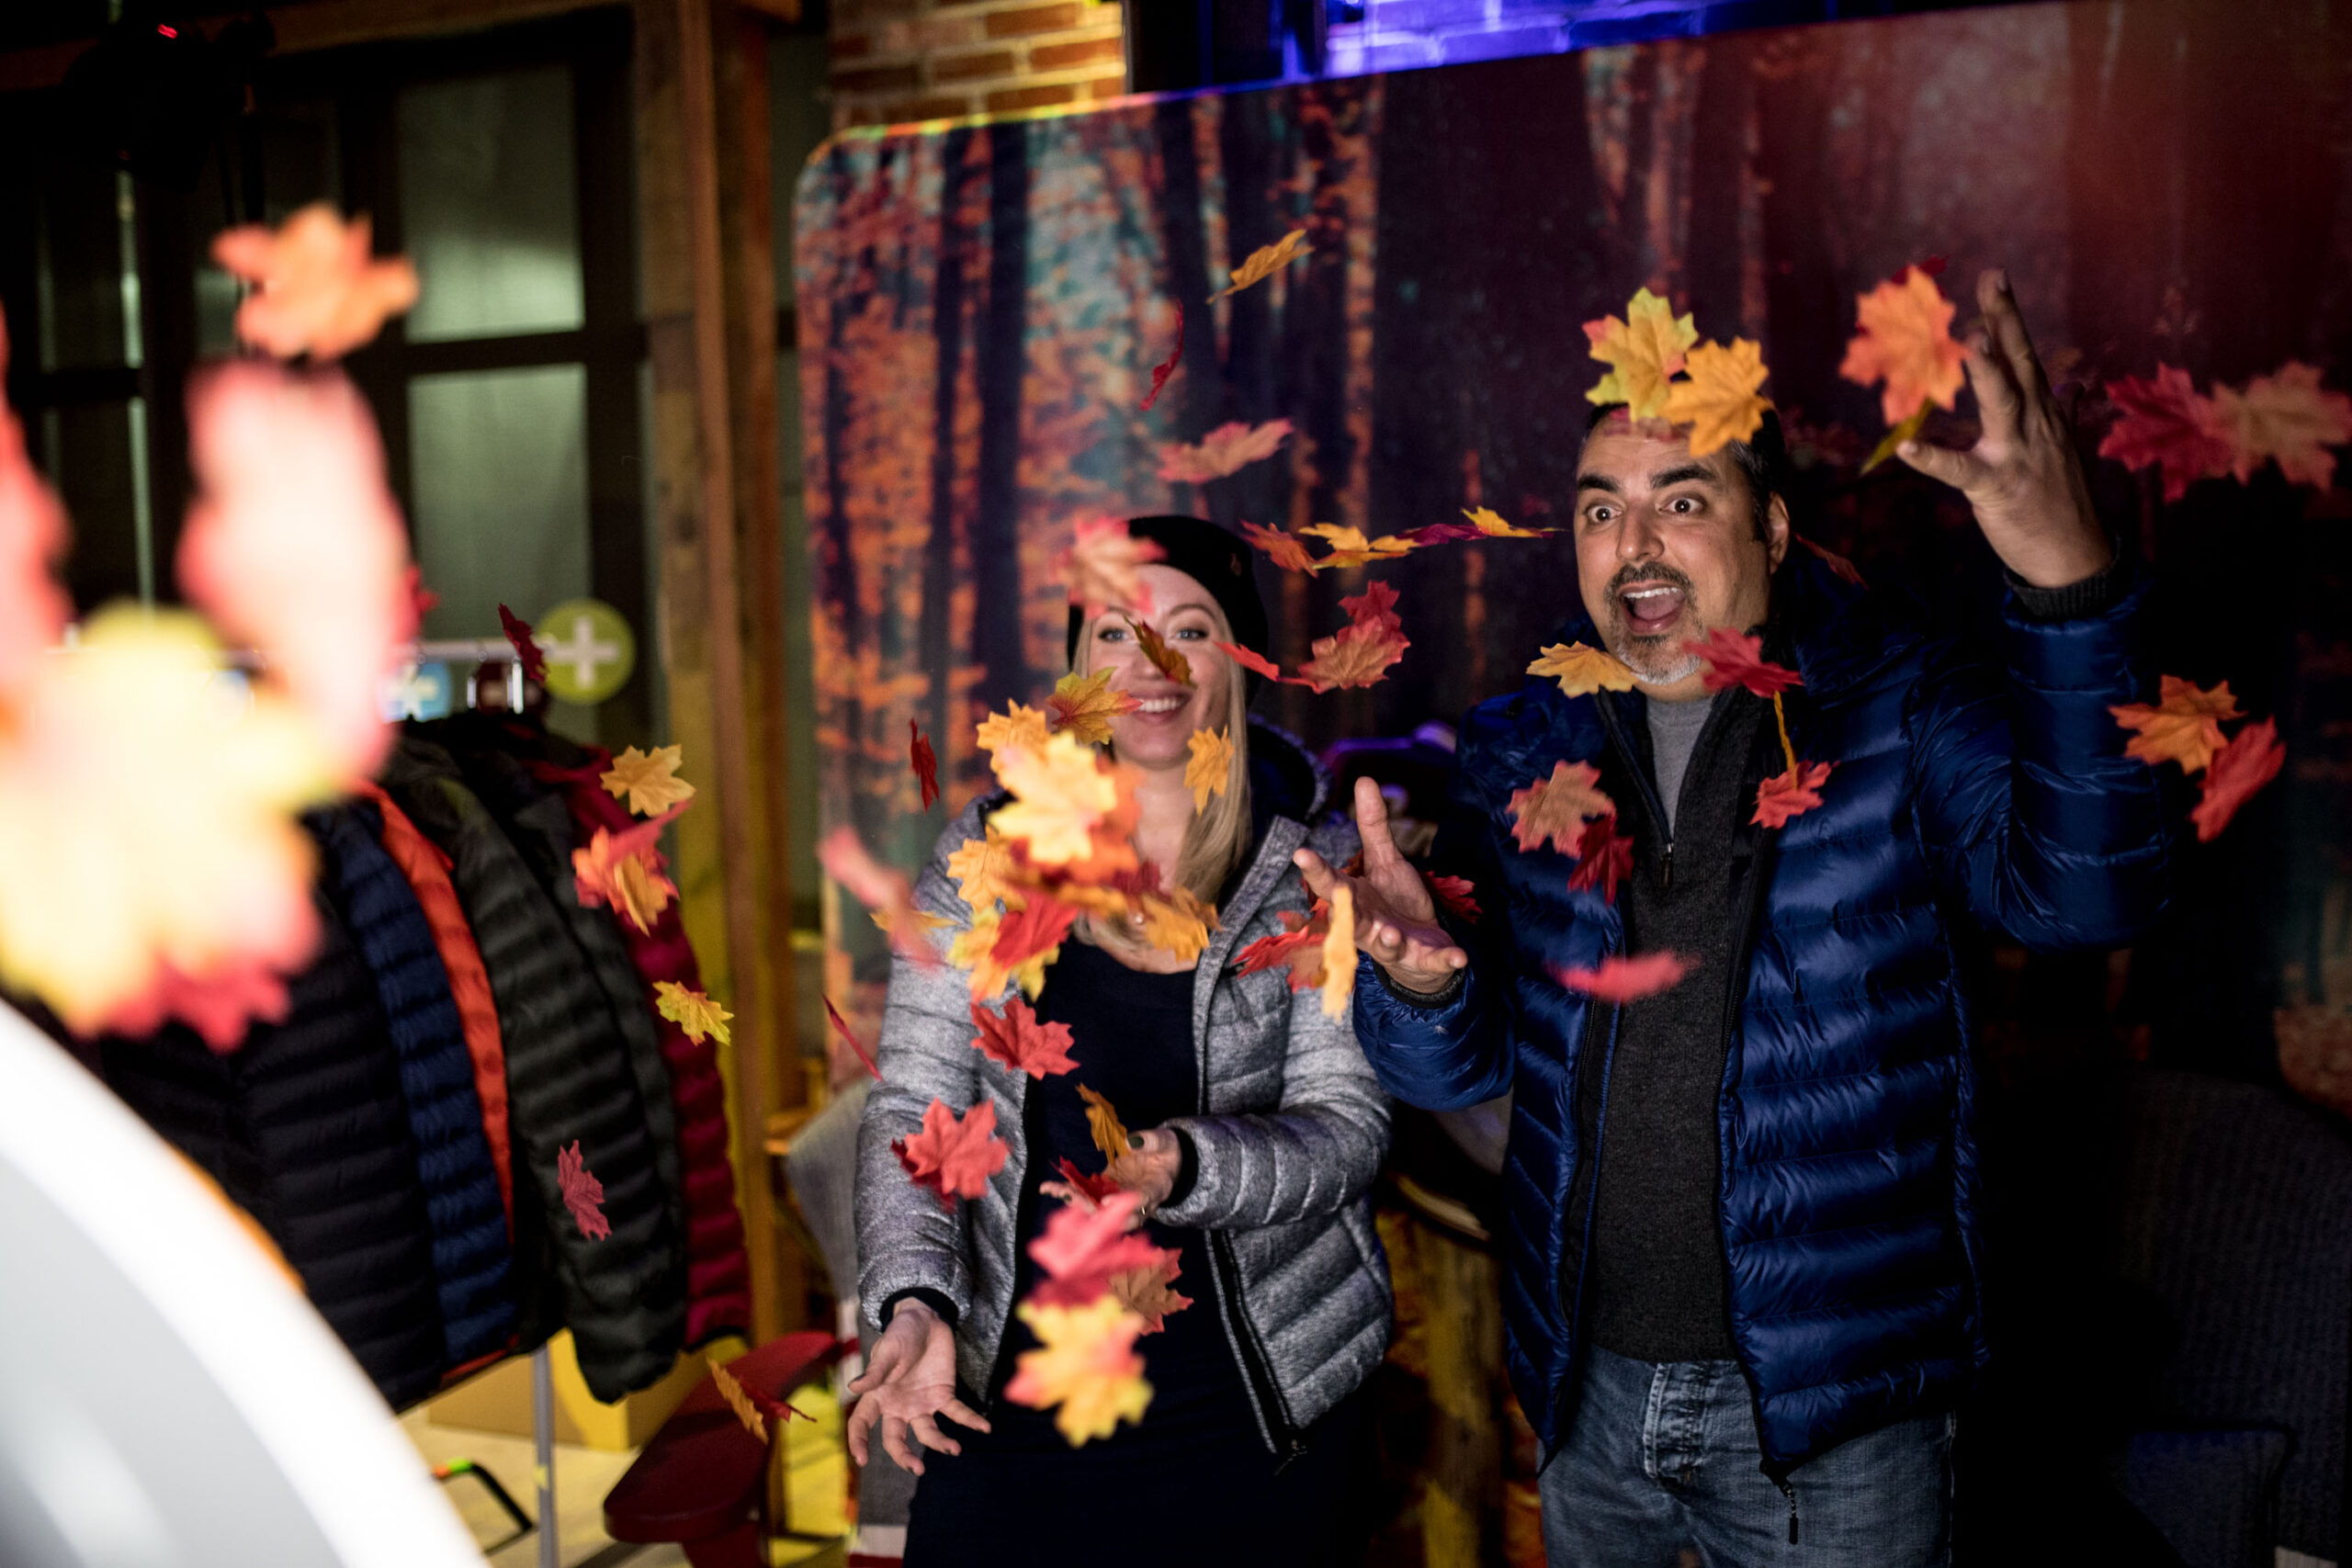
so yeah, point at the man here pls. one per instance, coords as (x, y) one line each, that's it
(1742, 1288)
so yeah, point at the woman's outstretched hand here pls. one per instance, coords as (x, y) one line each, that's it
(1396, 918)
(908, 1383)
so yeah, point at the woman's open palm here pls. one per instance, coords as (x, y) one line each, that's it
(908, 1383)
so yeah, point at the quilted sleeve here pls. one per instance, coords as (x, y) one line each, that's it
(2025, 802)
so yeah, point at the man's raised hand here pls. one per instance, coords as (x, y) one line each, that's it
(1396, 918)
(2023, 476)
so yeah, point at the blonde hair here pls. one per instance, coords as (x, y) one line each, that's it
(1218, 839)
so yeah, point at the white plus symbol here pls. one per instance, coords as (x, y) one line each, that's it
(413, 689)
(583, 651)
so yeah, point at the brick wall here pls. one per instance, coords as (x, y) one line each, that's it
(901, 60)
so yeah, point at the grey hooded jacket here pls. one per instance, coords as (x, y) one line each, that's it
(1293, 1130)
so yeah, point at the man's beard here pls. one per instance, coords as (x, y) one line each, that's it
(1657, 660)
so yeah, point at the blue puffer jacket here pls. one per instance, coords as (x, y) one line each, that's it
(1849, 1187)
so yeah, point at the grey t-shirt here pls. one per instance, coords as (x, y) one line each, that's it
(1674, 735)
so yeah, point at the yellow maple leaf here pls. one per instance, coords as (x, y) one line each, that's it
(739, 1401)
(1642, 352)
(974, 949)
(1176, 922)
(1897, 434)
(980, 869)
(1087, 1364)
(1583, 670)
(1496, 526)
(1084, 705)
(1017, 726)
(1103, 1122)
(1350, 547)
(1266, 261)
(1340, 953)
(649, 779)
(1060, 790)
(1209, 770)
(1719, 402)
(696, 1016)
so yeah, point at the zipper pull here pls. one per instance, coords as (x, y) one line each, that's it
(1791, 1493)
(1666, 869)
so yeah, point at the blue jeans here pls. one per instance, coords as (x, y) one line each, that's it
(1661, 1461)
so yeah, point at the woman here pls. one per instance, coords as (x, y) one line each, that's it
(1265, 1128)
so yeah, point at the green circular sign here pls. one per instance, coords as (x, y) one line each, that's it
(589, 648)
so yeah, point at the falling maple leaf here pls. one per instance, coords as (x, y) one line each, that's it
(1087, 1365)
(979, 868)
(294, 544)
(849, 1038)
(582, 1192)
(1785, 796)
(422, 600)
(2250, 761)
(1079, 1250)
(1103, 1122)
(1161, 372)
(1642, 352)
(880, 888)
(1491, 523)
(698, 1017)
(1733, 660)
(1248, 659)
(1839, 567)
(2287, 417)
(1079, 1189)
(1583, 670)
(649, 779)
(1453, 894)
(1146, 1292)
(1033, 933)
(974, 949)
(1283, 549)
(1348, 546)
(1604, 858)
(319, 291)
(1554, 810)
(925, 762)
(1061, 790)
(1619, 980)
(2164, 423)
(1101, 565)
(1164, 659)
(954, 1158)
(739, 1401)
(1226, 450)
(624, 870)
(1719, 402)
(1297, 946)
(1017, 726)
(2183, 726)
(1016, 1039)
(1084, 705)
(1340, 953)
(1906, 341)
(527, 647)
(1359, 653)
(1209, 770)
(1896, 434)
(1264, 261)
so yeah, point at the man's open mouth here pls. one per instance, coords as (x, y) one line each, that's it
(1650, 607)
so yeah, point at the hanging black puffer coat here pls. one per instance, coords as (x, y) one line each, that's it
(303, 1126)
(568, 1080)
(461, 1201)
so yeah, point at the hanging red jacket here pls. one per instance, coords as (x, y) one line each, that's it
(428, 871)
(718, 1287)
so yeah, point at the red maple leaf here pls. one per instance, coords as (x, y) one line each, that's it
(1016, 1038)
(926, 764)
(1626, 979)
(1093, 1188)
(1249, 660)
(1444, 533)
(1735, 660)
(841, 1027)
(1159, 373)
(1453, 894)
(951, 1158)
(1359, 653)
(2166, 423)
(1785, 796)
(1604, 858)
(518, 632)
(1036, 927)
(1374, 608)
(1081, 1250)
(1299, 945)
(2251, 760)
(1839, 567)
(422, 600)
(582, 1192)
(881, 888)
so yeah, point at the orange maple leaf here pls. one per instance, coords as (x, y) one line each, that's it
(2250, 761)
(1017, 726)
(1350, 547)
(2183, 726)
(1101, 565)
(1642, 352)
(1020, 1042)
(981, 867)
(1583, 670)
(1359, 653)
(1164, 659)
(2288, 417)
(319, 291)
(1210, 768)
(1264, 261)
(1103, 1123)
(624, 870)
(1146, 1293)
(953, 1156)
(1298, 947)
(1084, 705)
(1906, 341)
(1225, 450)
(1719, 402)
(1340, 953)
(1554, 811)
(1283, 549)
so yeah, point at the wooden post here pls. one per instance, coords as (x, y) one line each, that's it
(730, 853)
